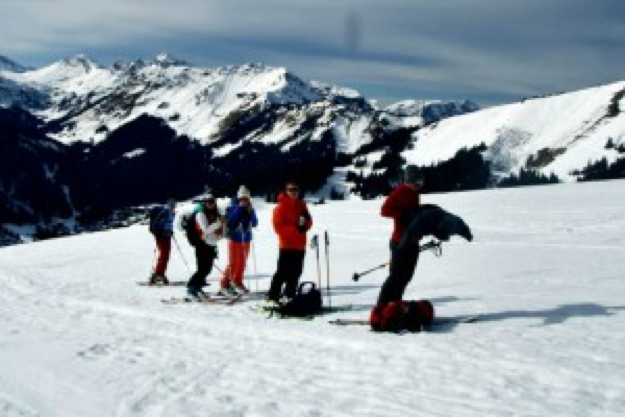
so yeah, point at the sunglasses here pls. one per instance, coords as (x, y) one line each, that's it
(292, 189)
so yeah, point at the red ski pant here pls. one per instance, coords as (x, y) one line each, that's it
(237, 258)
(163, 246)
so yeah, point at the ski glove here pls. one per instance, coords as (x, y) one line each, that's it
(301, 223)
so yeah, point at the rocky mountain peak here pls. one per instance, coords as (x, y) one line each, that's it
(166, 60)
(81, 61)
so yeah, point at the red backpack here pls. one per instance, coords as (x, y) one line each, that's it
(398, 316)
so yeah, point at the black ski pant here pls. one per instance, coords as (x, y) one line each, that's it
(205, 257)
(290, 267)
(403, 264)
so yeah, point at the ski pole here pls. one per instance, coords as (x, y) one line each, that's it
(181, 254)
(153, 266)
(254, 259)
(434, 246)
(327, 244)
(314, 244)
(246, 253)
(221, 271)
(357, 275)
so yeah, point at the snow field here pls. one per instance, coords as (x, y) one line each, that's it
(78, 337)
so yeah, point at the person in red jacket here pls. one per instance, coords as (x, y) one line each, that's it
(402, 201)
(291, 220)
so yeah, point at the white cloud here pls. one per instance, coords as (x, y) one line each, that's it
(483, 47)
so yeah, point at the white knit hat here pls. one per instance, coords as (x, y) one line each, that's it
(208, 196)
(243, 192)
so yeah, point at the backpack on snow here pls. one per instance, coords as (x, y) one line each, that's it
(307, 302)
(158, 219)
(400, 316)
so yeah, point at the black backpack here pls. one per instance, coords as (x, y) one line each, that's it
(307, 302)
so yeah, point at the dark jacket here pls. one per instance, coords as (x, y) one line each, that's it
(430, 219)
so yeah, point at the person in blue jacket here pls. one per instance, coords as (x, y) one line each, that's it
(240, 218)
(162, 227)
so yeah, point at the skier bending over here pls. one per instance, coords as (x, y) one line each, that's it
(400, 206)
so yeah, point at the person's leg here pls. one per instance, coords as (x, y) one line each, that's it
(278, 278)
(226, 280)
(205, 255)
(163, 245)
(242, 249)
(295, 267)
(403, 263)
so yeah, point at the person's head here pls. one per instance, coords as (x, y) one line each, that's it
(292, 189)
(414, 175)
(243, 195)
(208, 201)
(171, 204)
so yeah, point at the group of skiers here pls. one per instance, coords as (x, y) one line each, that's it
(291, 220)
(205, 226)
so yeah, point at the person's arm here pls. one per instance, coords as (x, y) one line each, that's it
(308, 220)
(253, 218)
(285, 224)
(235, 217)
(169, 224)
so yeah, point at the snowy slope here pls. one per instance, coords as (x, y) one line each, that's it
(573, 127)
(78, 337)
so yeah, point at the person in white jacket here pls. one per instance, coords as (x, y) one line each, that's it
(205, 231)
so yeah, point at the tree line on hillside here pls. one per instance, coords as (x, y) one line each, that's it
(603, 169)
(467, 170)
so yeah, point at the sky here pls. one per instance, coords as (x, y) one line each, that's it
(488, 51)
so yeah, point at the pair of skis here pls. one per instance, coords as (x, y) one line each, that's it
(442, 321)
(162, 285)
(211, 300)
(314, 244)
(214, 299)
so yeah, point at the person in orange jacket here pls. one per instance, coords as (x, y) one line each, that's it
(291, 220)
(399, 205)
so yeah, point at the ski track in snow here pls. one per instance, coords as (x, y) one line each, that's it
(78, 337)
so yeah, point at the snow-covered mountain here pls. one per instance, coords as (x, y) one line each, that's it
(88, 101)
(558, 134)
(421, 112)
